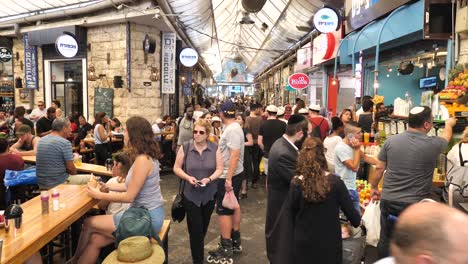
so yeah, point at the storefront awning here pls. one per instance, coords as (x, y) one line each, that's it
(404, 27)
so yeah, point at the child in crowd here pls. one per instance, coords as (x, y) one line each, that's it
(345, 231)
(116, 183)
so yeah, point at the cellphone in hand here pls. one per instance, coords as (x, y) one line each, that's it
(200, 183)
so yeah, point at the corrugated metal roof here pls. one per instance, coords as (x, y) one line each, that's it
(11, 8)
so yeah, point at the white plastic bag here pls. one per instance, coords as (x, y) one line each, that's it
(230, 200)
(371, 220)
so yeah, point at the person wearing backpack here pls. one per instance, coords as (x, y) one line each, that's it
(457, 170)
(320, 126)
(141, 189)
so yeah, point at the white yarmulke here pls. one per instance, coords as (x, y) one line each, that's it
(280, 111)
(303, 111)
(416, 110)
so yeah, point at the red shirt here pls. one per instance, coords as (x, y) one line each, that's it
(324, 127)
(10, 162)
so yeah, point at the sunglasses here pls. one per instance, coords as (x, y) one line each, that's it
(198, 132)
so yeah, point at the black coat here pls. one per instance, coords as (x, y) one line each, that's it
(281, 169)
(310, 232)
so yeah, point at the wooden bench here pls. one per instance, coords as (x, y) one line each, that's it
(164, 237)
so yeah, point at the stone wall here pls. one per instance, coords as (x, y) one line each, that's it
(141, 100)
(463, 56)
(38, 95)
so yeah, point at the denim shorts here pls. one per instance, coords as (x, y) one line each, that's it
(157, 218)
(353, 194)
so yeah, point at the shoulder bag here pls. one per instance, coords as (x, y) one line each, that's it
(178, 209)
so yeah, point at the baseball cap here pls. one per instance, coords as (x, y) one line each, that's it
(272, 108)
(314, 107)
(23, 129)
(228, 107)
(160, 121)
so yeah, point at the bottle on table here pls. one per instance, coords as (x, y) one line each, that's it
(45, 202)
(55, 200)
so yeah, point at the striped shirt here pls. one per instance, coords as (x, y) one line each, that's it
(52, 154)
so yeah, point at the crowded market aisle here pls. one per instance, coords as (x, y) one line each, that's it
(252, 226)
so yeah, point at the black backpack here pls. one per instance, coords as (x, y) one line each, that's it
(316, 131)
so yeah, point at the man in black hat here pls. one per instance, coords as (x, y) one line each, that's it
(281, 169)
(231, 145)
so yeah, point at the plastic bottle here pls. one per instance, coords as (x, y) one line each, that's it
(55, 200)
(45, 202)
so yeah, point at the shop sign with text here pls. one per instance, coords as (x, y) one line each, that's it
(5, 54)
(66, 46)
(188, 57)
(304, 57)
(298, 81)
(325, 47)
(361, 12)
(326, 20)
(30, 64)
(168, 62)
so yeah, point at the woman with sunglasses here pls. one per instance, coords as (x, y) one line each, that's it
(199, 164)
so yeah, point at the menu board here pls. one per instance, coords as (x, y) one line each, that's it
(104, 101)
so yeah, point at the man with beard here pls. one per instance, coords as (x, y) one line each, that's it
(44, 125)
(184, 129)
(281, 169)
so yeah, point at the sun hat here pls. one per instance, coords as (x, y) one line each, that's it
(23, 129)
(314, 107)
(137, 249)
(272, 108)
(215, 118)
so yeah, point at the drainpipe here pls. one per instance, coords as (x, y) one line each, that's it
(355, 42)
(377, 50)
(448, 60)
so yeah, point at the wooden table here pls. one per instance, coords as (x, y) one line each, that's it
(37, 229)
(84, 168)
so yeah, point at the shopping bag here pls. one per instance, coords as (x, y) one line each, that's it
(371, 220)
(261, 167)
(230, 200)
(24, 177)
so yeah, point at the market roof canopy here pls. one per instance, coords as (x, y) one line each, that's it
(11, 8)
(216, 32)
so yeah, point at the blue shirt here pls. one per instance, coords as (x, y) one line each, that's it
(343, 152)
(52, 154)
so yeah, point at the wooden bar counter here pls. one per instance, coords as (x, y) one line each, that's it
(84, 168)
(37, 229)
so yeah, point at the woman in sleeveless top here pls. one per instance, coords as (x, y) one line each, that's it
(101, 138)
(199, 163)
(141, 188)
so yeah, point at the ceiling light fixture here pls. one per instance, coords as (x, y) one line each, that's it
(246, 20)
(264, 26)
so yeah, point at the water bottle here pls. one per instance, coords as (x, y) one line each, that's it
(45, 202)
(55, 200)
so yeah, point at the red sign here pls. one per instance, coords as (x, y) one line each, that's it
(298, 81)
(325, 47)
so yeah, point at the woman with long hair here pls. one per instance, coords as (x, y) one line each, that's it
(141, 189)
(101, 138)
(199, 163)
(346, 116)
(248, 169)
(313, 206)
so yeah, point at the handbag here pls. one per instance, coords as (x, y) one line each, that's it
(178, 209)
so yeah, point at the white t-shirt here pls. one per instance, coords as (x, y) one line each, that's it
(453, 156)
(114, 207)
(387, 260)
(358, 113)
(344, 152)
(197, 114)
(156, 129)
(232, 138)
(330, 144)
(37, 114)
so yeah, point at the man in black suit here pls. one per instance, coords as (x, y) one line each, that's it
(281, 169)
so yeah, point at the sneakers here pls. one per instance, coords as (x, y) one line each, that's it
(236, 241)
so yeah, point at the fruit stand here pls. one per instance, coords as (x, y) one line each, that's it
(454, 96)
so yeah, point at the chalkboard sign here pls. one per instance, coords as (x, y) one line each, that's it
(104, 101)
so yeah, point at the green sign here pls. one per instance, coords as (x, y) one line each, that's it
(289, 88)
